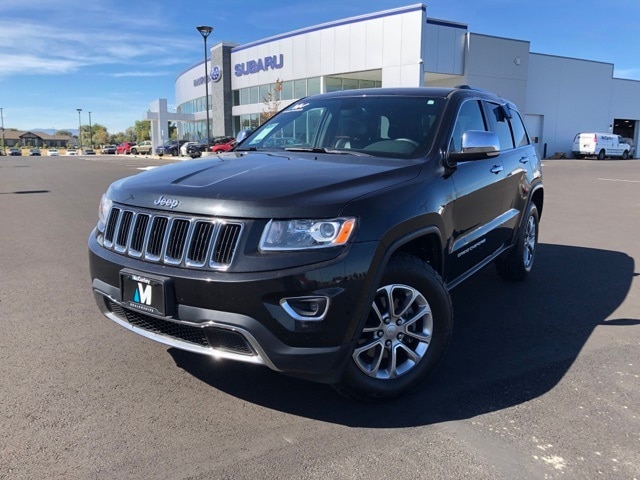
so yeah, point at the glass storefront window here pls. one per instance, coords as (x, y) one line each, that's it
(287, 91)
(333, 84)
(254, 95)
(300, 88)
(313, 86)
(244, 96)
(350, 84)
(264, 92)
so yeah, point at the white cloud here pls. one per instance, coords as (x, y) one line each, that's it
(55, 50)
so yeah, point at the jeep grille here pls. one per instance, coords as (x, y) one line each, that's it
(171, 239)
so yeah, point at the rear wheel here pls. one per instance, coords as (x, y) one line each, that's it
(601, 154)
(134, 151)
(516, 264)
(406, 333)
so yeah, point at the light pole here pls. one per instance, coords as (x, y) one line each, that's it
(90, 137)
(2, 126)
(79, 127)
(205, 31)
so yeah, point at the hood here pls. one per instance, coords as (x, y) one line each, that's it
(263, 185)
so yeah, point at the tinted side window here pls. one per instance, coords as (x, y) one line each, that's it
(470, 117)
(500, 124)
(519, 132)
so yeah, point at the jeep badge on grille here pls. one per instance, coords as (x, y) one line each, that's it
(166, 202)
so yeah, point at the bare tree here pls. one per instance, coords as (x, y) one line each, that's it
(271, 102)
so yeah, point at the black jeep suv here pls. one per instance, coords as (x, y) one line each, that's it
(326, 244)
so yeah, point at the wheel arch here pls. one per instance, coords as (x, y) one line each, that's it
(424, 243)
(537, 197)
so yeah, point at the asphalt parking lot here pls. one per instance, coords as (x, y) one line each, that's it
(542, 379)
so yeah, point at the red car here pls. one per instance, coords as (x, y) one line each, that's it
(124, 148)
(224, 147)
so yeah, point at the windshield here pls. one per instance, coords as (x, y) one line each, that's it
(390, 126)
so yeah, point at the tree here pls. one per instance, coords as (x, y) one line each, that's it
(63, 133)
(271, 102)
(143, 130)
(99, 134)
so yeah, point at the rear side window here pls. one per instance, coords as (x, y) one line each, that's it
(520, 136)
(501, 127)
(470, 117)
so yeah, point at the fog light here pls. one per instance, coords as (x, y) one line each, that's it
(306, 309)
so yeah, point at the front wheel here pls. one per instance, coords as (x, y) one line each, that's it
(406, 333)
(517, 263)
(625, 155)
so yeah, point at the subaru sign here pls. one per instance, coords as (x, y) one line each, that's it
(273, 62)
(214, 75)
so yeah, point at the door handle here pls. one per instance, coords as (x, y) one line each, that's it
(497, 169)
(524, 160)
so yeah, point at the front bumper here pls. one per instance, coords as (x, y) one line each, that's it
(239, 316)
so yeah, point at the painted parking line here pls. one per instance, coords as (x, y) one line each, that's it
(619, 180)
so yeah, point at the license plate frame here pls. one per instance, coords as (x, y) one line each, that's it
(144, 293)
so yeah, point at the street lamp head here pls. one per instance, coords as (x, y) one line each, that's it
(204, 30)
(79, 110)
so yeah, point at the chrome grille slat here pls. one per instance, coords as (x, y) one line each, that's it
(123, 229)
(176, 240)
(224, 249)
(200, 241)
(172, 239)
(138, 234)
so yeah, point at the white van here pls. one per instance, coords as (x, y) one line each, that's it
(601, 145)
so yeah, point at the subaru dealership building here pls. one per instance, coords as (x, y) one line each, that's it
(403, 47)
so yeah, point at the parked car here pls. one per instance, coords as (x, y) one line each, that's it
(124, 148)
(183, 148)
(34, 152)
(71, 152)
(53, 152)
(195, 150)
(15, 152)
(88, 151)
(108, 150)
(224, 147)
(143, 147)
(331, 259)
(221, 140)
(172, 147)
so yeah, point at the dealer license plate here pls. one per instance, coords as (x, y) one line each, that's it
(143, 293)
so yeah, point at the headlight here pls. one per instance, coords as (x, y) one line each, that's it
(306, 234)
(103, 211)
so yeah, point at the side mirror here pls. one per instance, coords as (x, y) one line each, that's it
(477, 145)
(242, 134)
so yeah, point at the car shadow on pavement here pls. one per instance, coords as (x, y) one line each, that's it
(512, 342)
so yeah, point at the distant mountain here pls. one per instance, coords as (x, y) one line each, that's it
(51, 131)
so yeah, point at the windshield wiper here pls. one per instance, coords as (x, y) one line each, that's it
(326, 150)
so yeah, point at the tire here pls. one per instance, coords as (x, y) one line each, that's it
(134, 151)
(398, 349)
(517, 263)
(601, 154)
(625, 155)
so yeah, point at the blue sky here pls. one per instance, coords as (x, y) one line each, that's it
(114, 57)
